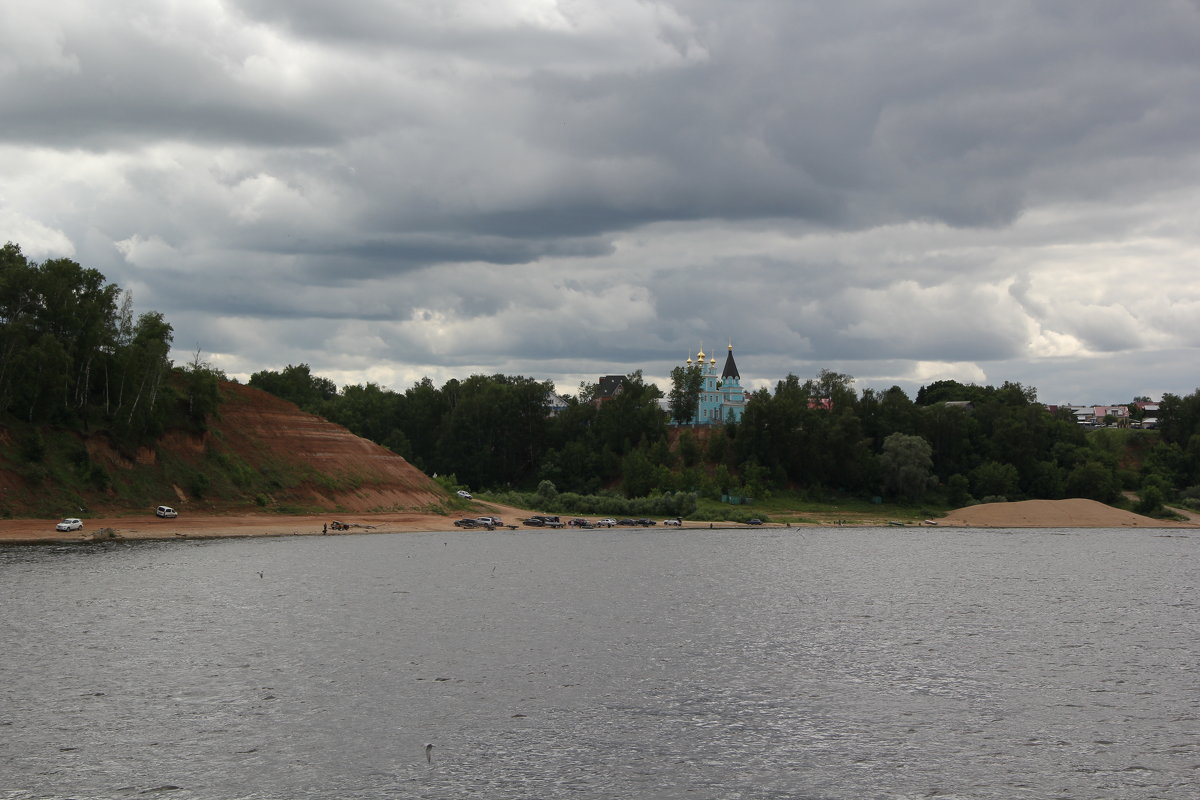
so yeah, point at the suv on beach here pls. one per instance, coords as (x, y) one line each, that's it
(166, 512)
(69, 524)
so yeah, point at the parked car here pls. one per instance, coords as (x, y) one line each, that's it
(69, 524)
(464, 494)
(645, 522)
(626, 523)
(466, 522)
(754, 521)
(166, 512)
(676, 521)
(544, 521)
(496, 521)
(580, 522)
(607, 522)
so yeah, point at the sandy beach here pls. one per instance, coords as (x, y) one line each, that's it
(213, 526)
(1075, 513)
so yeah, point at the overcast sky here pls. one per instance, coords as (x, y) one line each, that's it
(900, 190)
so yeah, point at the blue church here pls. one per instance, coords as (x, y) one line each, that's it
(722, 398)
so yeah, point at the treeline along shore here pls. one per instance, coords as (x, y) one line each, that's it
(94, 415)
(951, 446)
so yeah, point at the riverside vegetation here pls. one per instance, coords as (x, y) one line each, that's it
(77, 367)
(923, 454)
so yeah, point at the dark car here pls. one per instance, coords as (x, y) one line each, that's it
(627, 523)
(535, 522)
(755, 521)
(646, 522)
(466, 523)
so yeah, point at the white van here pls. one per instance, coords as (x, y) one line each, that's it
(166, 512)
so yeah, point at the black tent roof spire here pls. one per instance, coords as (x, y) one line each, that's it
(731, 370)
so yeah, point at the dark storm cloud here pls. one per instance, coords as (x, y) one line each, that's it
(389, 188)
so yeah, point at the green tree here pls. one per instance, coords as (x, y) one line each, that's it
(147, 368)
(638, 474)
(495, 431)
(201, 390)
(689, 449)
(1153, 496)
(684, 398)
(994, 479)
(372, 412)
(297, 384)
(906, 466)
(958, 490)
(1094, 481)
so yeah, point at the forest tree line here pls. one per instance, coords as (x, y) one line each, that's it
(73, 354)
(817, 436)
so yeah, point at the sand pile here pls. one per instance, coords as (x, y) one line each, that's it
(1073, 513)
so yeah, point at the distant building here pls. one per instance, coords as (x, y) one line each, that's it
(555, 403)
(1149, 410)
(722, 398)
(1121, 415)
(609, 386)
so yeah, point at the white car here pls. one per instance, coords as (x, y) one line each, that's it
(464, 494)
(605, 523)
(676, 521)
(69, 524)
(166, 512)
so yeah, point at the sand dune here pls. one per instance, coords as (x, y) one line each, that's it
(1073, 513)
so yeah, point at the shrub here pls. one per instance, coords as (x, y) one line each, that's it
(98, 477)
(199, 484)
(31, 446)
(1150, 501)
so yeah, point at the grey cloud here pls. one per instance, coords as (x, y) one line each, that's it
(881, 184)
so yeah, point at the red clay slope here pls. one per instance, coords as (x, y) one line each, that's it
(348, 472)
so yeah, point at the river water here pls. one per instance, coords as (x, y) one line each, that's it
(819, 663)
